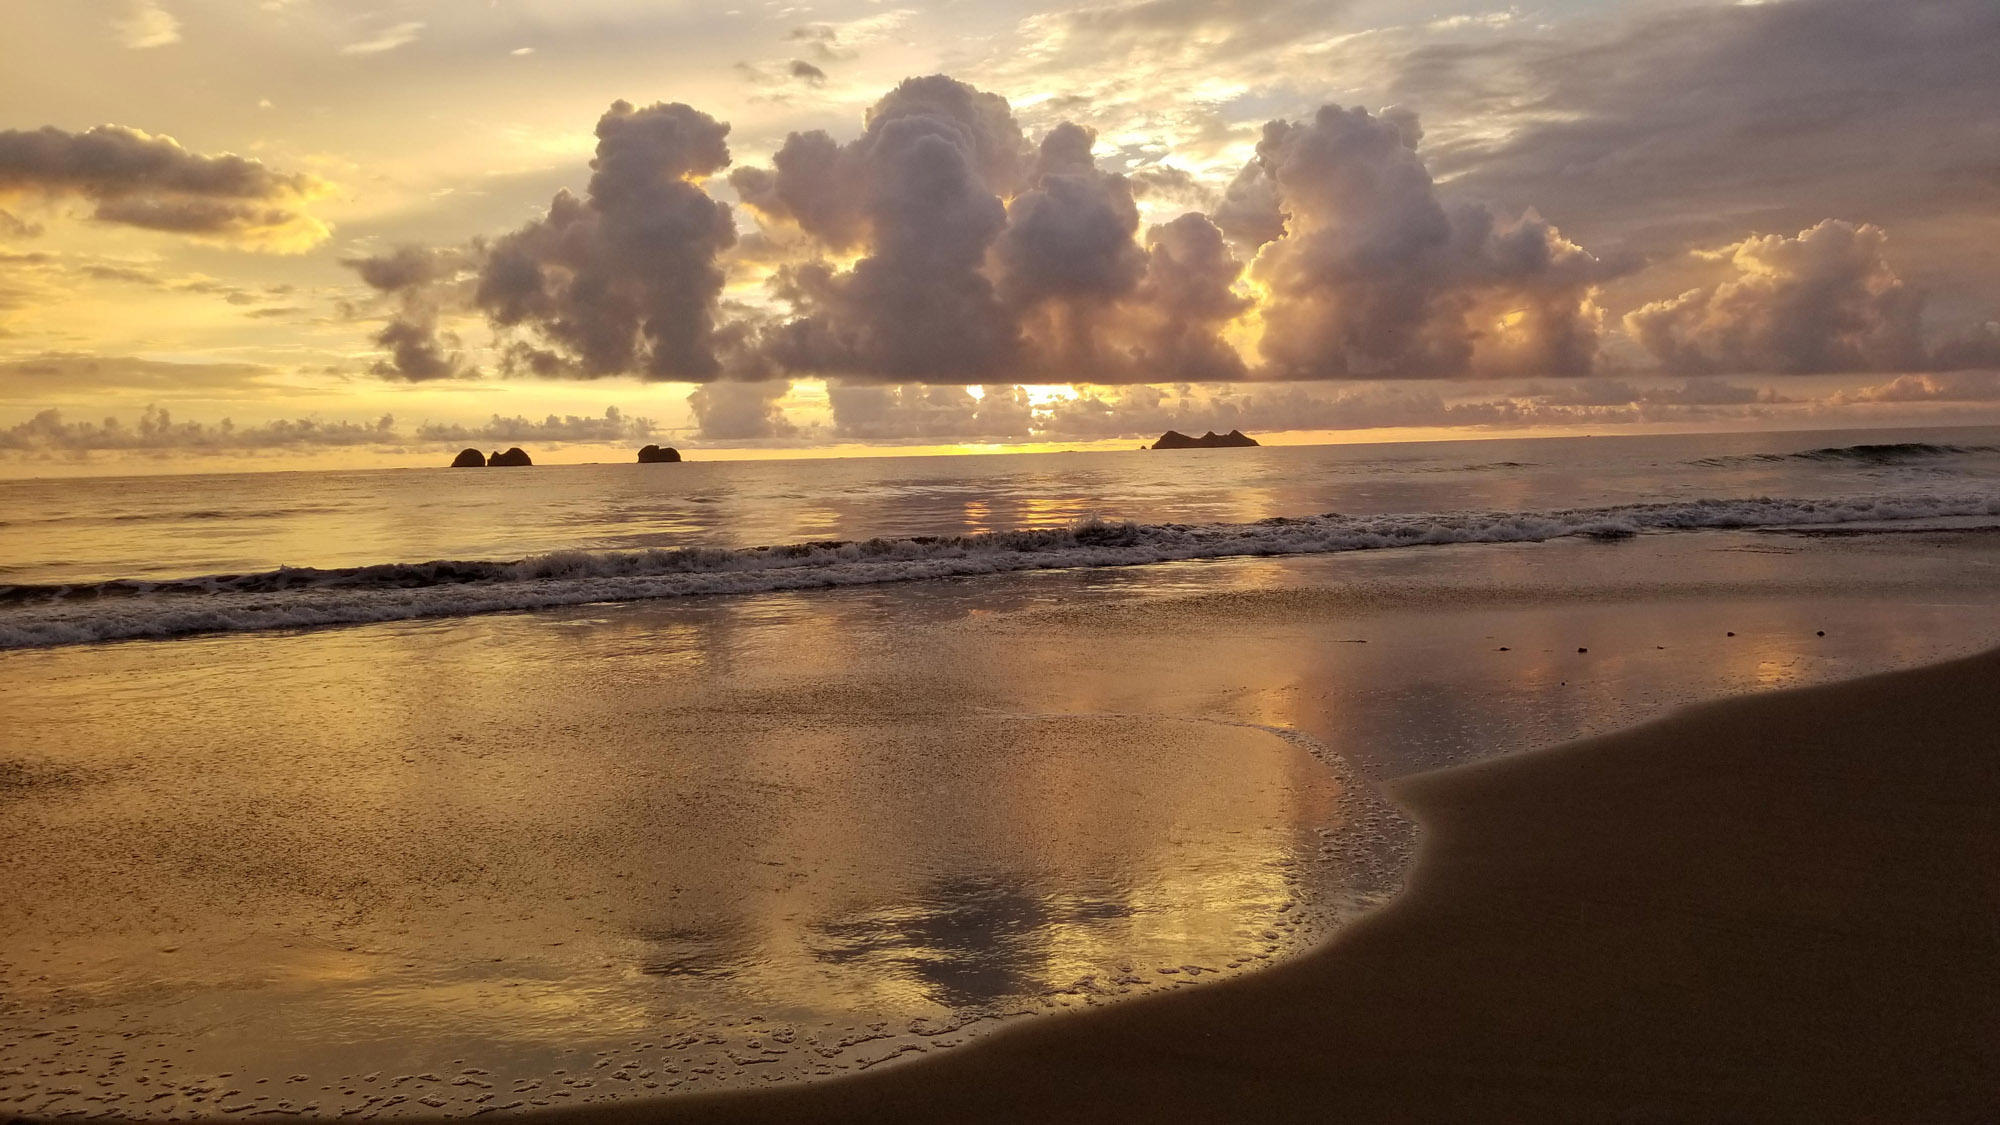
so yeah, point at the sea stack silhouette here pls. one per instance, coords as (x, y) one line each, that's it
(1234, 439)
(469, 459)
(654, 455)
(511, 458)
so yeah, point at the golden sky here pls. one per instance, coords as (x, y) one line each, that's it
(304, 232)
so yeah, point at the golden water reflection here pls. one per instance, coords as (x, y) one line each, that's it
(509, 843)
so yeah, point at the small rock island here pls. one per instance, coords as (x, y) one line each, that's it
(1234, 439)
(469, 459)
(512, 458)
(655, 455)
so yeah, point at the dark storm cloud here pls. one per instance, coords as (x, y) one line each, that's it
(138, 179)
(1374, 277)
(1698, 123)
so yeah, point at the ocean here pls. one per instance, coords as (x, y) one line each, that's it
(448, 792)
(101, 559)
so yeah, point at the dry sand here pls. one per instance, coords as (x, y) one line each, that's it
(1777, 908)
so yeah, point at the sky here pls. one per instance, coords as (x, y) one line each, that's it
(304, 233)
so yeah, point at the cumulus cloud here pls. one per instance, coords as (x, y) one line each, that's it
(142, 180)
(623, 280)
(1825, 301)
(920, 191)
(733, 411)
(613, 426)
(1374, 277)
(943, 246)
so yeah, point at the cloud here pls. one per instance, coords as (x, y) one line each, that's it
(611, 428)
(142, 180)
(1692, 392)
(920, 191)
(1152, 32)
(731, 411)
(68, 373)
(941, 246)
(873, 412)
(1825, 301)
(1701, 121)
(144, 24)
(156, 431)
(419, 278)
(625, 279)
(388, 39)
(1373, 277)
(783, 73)
(1956, 386)
(839, 42)
(49, 433)
(1166, 184)
(12, 226)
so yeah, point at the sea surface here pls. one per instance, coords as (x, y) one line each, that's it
(455, 792)
(112, 558)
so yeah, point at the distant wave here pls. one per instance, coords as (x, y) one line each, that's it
(1897, 453)
(292, 597)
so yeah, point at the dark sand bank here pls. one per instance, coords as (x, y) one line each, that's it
(1782, 907)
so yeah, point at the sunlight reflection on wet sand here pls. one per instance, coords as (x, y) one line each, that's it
(620, 851)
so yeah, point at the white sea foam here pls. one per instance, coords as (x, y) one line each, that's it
(32, 616)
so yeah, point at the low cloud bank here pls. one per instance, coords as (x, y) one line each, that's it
(156, 431)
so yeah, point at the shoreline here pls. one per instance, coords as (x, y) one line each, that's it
(1648, 925)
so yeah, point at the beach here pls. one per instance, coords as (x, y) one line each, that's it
(853, 838)
(1769, 909)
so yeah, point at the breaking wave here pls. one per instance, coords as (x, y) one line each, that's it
(293, 597)
(1897, 453)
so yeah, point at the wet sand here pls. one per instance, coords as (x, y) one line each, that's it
(626, 854)
(1775, 908)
